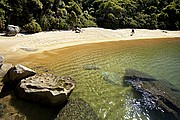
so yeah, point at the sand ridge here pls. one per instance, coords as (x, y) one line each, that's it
(25, 44)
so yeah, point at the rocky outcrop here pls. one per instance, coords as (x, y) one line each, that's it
(17, 73)
(46, 88)
(42, 88)
(12, 30)
(155, 94)
(77, 109)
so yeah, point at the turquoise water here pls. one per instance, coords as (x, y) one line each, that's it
(102, 87)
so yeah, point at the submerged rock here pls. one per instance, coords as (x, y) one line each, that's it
(91, 67)
(155, 94)
(112, 78)
(77, 109)
(46, 88)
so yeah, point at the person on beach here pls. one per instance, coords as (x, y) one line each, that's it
(132, 32)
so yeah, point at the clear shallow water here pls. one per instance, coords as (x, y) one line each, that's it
(109, 98)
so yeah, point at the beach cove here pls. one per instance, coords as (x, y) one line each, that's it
(67, 53)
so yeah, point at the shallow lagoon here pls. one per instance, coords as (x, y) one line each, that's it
(102, 86)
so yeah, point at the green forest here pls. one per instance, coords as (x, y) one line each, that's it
(43, 15)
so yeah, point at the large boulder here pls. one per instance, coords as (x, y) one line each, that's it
(155, 94)
(77, 109)
(46, 88)
(12, 30)
(17, 73)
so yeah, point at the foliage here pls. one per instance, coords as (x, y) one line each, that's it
(2, 20)
(113, 14)
(32, 27)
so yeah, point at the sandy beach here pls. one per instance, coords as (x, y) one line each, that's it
(25, 44)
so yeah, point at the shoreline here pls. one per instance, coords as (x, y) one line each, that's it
(23, 45)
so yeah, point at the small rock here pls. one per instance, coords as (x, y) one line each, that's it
(78, 30)
(90, 67)
(4, 69)
(46, 89)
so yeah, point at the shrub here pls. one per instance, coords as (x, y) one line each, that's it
(32, 27)
(44, 23)
(2, 25)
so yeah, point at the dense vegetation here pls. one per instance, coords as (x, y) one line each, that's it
(37, 15)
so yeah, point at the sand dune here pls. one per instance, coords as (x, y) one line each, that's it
(23, 44)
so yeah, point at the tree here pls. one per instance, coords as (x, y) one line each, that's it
(73, 18)
(113, 14)
(2, 20)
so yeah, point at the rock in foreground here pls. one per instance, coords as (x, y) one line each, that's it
(46, 89)
(155, 94)
(77, 109)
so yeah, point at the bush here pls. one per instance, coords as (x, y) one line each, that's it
(2, 25)
(33, 27)
(44, 23)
